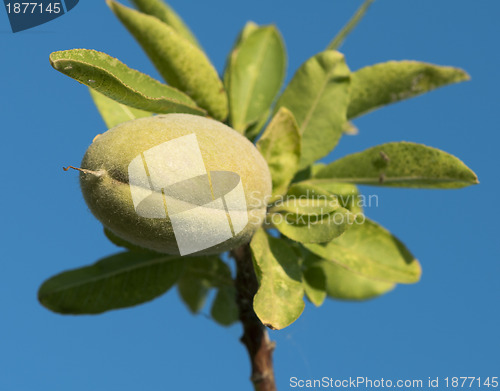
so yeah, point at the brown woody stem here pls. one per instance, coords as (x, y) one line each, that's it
(255, 336)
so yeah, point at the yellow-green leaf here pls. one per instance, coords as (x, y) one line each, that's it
(346, 194)
(181, 64)
(306, 199)
(312, 228)
(280, 146)
(256, 71)
(370, 250)
(389, 82)
(314, 280)
(279, 299)
(400, 164)
(254, 129)
(244, 33)
(328, 278)
(115, 80)
(343, 284)
(318, 96)
(309, 214)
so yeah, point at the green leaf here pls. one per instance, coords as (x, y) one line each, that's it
(115, 80)
(339, 283)
(318, 96)
(346, 194)
(314, 281)
(181, 64)
(249, 28)
(400, 164)
(309, 214)
(280, 146)
(199, 276)
(351, 25)
(370, 250)
(255, 128)
(114, 113)
(306, 199)
(256, 72)
(166, 14)
(279, 299)
(312, 228)
(194, 292)
(389, 82)
(224, 309)
(244, 33)
(119, 281)
(346, 285)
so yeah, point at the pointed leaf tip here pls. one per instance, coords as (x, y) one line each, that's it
(400, 164)
(393, 81)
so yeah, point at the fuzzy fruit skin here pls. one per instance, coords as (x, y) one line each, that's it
(108, 194)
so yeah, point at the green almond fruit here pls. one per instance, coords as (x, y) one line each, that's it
(176, 184)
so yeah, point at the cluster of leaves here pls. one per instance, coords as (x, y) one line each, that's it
(325, 257)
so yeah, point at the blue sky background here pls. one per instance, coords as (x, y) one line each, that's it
(446, 325)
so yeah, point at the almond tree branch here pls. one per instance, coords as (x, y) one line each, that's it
(255, 336)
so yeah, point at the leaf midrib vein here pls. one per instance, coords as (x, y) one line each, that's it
(260, 60)
(316, 101)
(114, 273)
